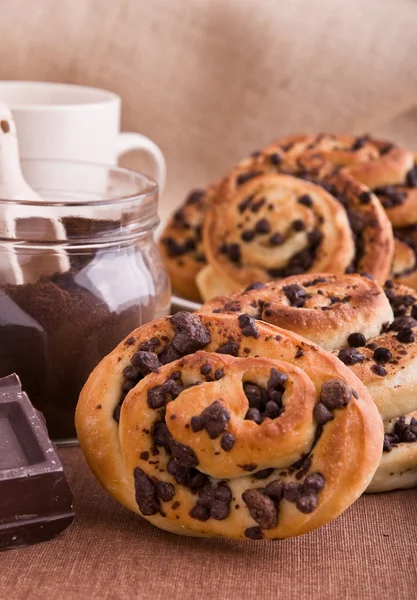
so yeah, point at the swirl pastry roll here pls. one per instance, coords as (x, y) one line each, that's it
(219, 425)
(372, 332)
(263, 225)
(181, 244)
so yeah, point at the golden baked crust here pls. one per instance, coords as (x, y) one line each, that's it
(322, 307)
(181, 244)
(390, 375)
(277, 215)
(340, 150)
(398, 468)
(189, 456)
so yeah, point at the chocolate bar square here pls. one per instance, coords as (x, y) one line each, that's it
(35, 497)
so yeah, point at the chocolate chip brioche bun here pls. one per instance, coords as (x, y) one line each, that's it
(371, 329)
(277, 215)
(220, 425)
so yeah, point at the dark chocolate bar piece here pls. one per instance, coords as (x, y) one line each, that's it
(35, 497)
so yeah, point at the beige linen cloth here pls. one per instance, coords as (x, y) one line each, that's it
(211, 80)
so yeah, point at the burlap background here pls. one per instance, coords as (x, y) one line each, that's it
(369, 553)
(210, 80)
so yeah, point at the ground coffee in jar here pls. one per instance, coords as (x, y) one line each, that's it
(53, 333)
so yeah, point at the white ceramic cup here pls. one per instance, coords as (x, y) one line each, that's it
(73, 122)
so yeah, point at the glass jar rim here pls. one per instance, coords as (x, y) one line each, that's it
(150, 185)
(80, 203)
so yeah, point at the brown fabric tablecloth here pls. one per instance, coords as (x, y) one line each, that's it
(109, 553)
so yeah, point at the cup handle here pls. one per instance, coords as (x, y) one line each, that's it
(128, 141)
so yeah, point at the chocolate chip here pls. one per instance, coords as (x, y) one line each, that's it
(256, 285)
(183, 455)
(218, 374)
(403, 300)
(131, 373)
(299, 353)
(335, 393)
(157, 397)
(273, 410)
(387, 447)
(356, 340)
(145, 493)
(350, 356)
(116, 413)
(165, 491)
(249, 467)
(242, 206)
(214, 501)
(264, 474)
(382, 355)
(254, 533)
(229, 347)
(127, 386)
(293, 491)
(256, 396)
(411, 177)
(379, 370)
(406, 336)
(200, 513)
(188, 477)
(313, 483)
(322, 414)
(359, 143)
(206, 369)
(190, 333)
(195, 196)
(307, 504)
(197, 424)
(276, 239)
(295, 294)
(256, 206)
(403, 323)
(253, 414)
(227, 442)
(298, 225)
(161, 436)
(214, 419)
(275, 386)
(145, 362)
(219, 511)
(275, 158)
(247, 235)
(275, 490)
(261, 508)
(248, 326)
(414, 312)
(365, 197)
(306, 200)
(144, 455)
(244, 177)
(262, 226)
(130, 341)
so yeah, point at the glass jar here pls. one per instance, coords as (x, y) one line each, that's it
(79, 270)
